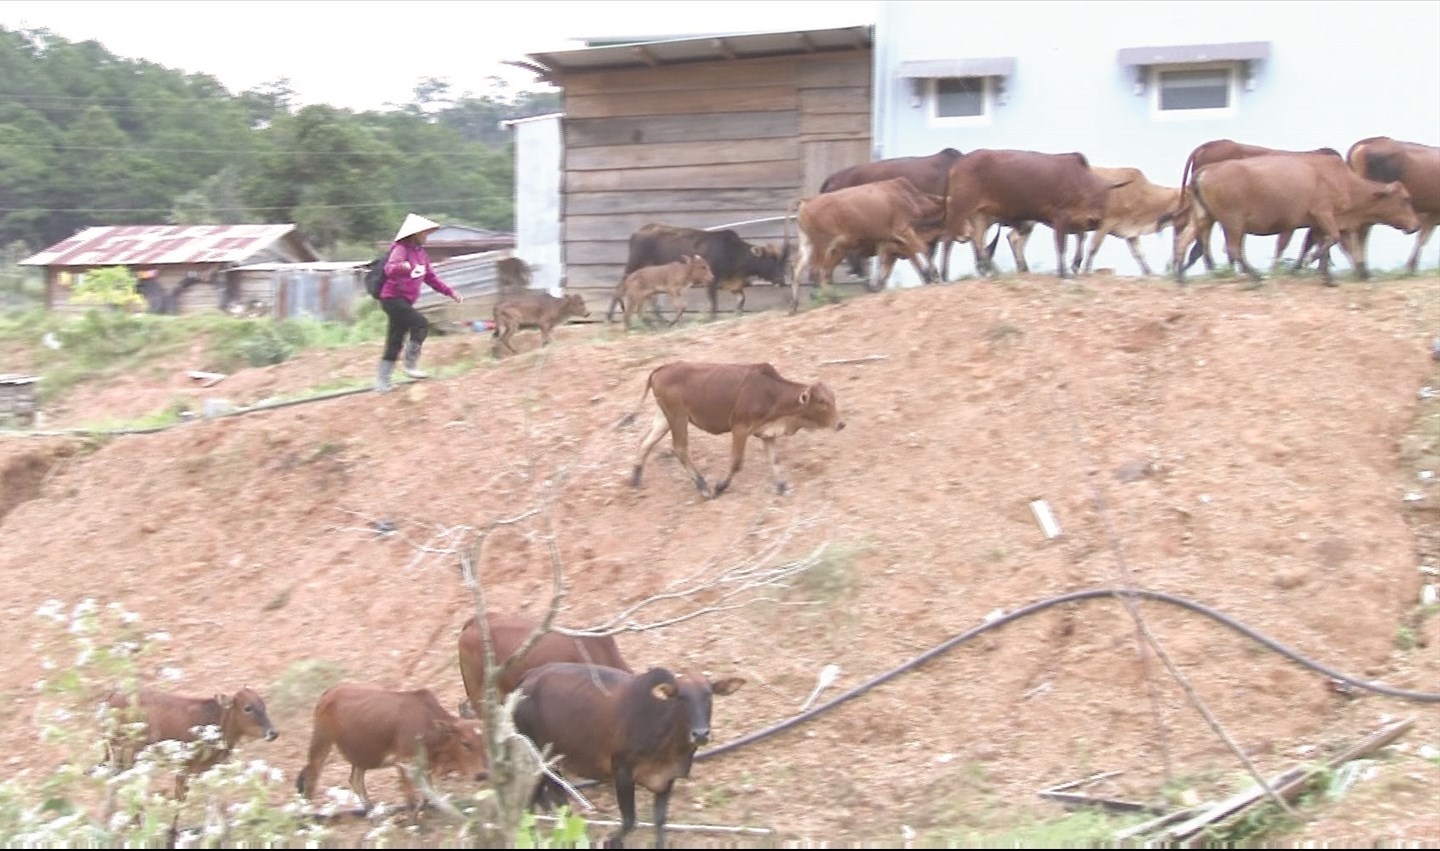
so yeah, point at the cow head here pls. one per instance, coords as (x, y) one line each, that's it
(818, 409)
(575, 306)
(458, 747)
(766, 262)
(244, 717)
(1391, 205)
(699, 272)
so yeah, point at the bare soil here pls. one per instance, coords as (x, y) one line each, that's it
(1269, 453)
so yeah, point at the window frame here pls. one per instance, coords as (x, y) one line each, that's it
(987, 103)
(1232, 71)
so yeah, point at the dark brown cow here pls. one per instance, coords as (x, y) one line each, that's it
(507, 633)
(1134, 208)
(733, 261)
(628, 728)
(645, 284)
(534, 309)
(929, 174)
(375, 727)
(1272, 194)
(738, 399)
(1383, 159)
(160, 716)
(891, 217)
(512, 275)
(1214, 151)
(1011, 187)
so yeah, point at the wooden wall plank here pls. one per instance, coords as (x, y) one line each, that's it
(587, 132)
(702, 152)
(853, 100)
(836, 69)
(619, 227)
(823, 159)
(727, 176)
(697, 77)
(835, 126)
(720, 202)
(758, 98)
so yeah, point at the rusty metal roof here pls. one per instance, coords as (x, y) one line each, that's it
(649, 54)
(158, 245)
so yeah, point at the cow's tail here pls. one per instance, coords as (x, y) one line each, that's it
(1196, 248)
(616, 300)
(630, 417)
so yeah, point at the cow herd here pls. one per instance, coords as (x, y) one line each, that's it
(908, 207)
(579, 697)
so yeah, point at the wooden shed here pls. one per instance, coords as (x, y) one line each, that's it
(180, 269)
(700, 132)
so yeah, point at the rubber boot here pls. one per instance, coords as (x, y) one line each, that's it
(412, 360)
(382, 376)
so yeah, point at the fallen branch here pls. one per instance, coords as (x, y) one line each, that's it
(1286, 785)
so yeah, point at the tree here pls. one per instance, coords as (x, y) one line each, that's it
(112, 285)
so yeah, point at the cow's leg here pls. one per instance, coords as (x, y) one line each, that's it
(1134, 243)
(1282, 242)
(357, 785)
(407, 788)
(1095, 240)
(625, 798)
(945, 261)
(738, 436)
(1358, 241)
(802, 268)
(1421, 237)
(655, 305)
(772, 454)
(1235, 250)
(1184, 237)
(712, 292)
(662, 811)
(679, 311)
(740, 300)
(680, 444)
(545, 329)
(309, 776)
(1019, 237)
(659, 427)
(505, 336)
(1062, 240)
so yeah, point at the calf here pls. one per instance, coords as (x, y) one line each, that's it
(534, 309)
(606, 724)
(507, 633)
(891, 218)
(736, 399)
(672, 278)
(1272, 194)
(733, 261)
(375, 727)
(168, 717)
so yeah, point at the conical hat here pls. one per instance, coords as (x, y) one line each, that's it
(414, 224)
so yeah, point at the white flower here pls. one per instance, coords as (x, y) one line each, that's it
(52, 610)
(171, 674)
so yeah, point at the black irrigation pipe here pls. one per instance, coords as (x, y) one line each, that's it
(1090, 594)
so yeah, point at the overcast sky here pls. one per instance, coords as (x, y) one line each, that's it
(364, 54)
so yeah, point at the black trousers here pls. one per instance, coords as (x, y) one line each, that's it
(404, 319)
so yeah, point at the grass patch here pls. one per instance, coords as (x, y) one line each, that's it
(302, 683)
(1086, 828)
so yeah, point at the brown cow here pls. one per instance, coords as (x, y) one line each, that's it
(1135, 208)
(888, 216)
(375, 727)
(929, 174)
(631, 729)
(732, 260)
(672, 278)
(1383, 159)
(735, 398)
(1011, 187)
(1214, 151)
(1271, 194)
(160, 716)
(507, 633)
(537, 310)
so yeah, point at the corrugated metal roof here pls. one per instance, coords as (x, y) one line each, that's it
(700, 49)
(158, 245)
(319, 266)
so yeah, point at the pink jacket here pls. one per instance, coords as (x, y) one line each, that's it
(401, 278)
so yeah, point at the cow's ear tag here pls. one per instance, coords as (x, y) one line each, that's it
(663, 691)
(224, 700)
(805, 396)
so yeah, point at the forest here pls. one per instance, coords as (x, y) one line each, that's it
(88, 138)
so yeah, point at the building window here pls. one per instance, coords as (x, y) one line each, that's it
(1190, 89)
(960, 97)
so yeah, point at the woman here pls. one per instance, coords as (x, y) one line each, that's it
(406, 266)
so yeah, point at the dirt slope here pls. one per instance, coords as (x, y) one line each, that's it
(1244, 449)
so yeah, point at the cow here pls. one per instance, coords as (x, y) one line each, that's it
(892, 217)
(1417, 166)
(507, 633)
(606, 724)
(1219, 150)
(375, 727)
(673, 278)
(535, 309)
(1279, 192)
(159, 716)
(1135, 208)
(738, 399)
(1011, 187)
(733, 261)
(930, 175)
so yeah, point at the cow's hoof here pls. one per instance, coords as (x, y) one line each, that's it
(782, 488)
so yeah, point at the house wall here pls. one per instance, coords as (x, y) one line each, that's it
(1337, 73)
(702, 145)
